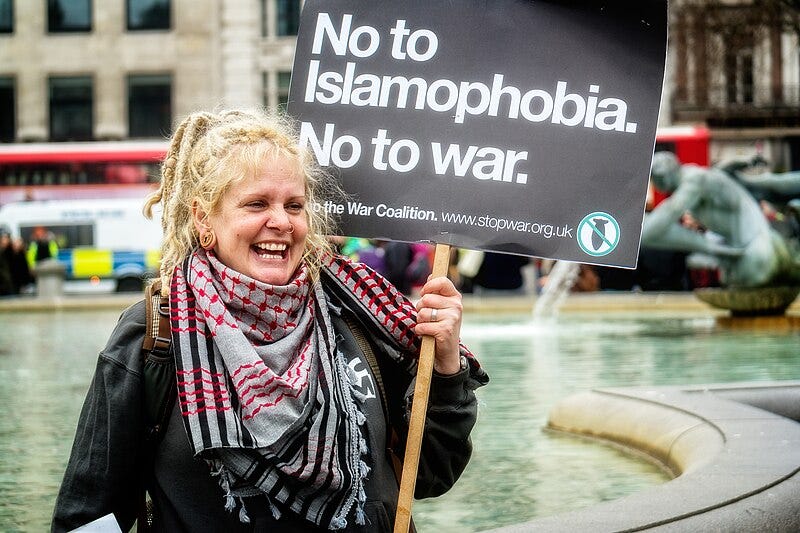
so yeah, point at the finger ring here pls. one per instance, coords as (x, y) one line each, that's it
(434, 313)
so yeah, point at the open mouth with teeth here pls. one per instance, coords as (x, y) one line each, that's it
(271, 250)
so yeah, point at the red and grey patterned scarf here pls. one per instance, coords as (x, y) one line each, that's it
(264, 393)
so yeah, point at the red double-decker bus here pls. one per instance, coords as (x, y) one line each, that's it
(48, 171)
(118, 169)
(689, 143)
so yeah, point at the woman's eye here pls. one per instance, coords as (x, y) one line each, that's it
(295, 207)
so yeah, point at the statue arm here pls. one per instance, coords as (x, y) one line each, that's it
(660, 231)
(669, 212)
(786, 183)
(662, 228)
(736, 165)
(677, 237)
(733, 166)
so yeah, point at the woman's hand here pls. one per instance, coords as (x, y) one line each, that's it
(439, 315)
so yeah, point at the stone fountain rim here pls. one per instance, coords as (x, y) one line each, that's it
(730, 458)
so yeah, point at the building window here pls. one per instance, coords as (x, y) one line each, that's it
(263, 18)
(69, 15)
(284, 79)
(739, 73)
(288, 17)
(265, 89)
(6, 16)
(148, 14)
(149, 105)
(71, 113)
(7, 110)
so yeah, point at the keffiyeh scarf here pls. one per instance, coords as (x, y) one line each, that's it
(265, 396)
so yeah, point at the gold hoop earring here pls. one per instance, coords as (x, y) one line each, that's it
(208, 239)
(291, 228)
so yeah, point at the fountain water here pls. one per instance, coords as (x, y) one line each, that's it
(559, 283)
(517, 472)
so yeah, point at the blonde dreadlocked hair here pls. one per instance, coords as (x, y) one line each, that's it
(207, 154)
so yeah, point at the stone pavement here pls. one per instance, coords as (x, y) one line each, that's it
(606, 301)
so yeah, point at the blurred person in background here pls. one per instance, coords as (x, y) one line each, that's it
(43, 246)
(6, 286)
(501, 273)
(21, 277)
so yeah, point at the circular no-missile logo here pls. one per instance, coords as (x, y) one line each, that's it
(598, 234)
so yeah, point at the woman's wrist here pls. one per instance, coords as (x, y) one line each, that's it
(451, 367)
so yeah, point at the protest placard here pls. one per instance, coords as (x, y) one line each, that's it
(511, 126)
(521, 127)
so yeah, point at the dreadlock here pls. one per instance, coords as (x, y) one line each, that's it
(207, 154)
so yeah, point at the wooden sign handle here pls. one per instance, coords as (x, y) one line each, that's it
(441, 262)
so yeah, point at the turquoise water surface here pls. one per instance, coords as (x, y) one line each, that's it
(517, 472)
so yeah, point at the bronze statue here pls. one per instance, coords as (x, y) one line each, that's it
(739, 239)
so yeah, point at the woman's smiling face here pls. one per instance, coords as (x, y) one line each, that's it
(261, 223)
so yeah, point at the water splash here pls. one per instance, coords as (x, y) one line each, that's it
(559, 283)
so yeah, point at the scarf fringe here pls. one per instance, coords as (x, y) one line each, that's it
(243, 518)
(276, 513)
(219, 470)
(361, 451)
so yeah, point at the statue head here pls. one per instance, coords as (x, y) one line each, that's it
(665, 171)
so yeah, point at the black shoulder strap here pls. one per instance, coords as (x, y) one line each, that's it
(392, 438)
(158, 387)
(158, 337)
(159, 366)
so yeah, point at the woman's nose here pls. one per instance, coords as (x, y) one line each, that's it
(279, 220)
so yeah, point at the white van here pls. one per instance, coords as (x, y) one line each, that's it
(98, 239)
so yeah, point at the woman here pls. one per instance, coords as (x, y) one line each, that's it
(279, 423)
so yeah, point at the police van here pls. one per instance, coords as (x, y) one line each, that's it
(97, 239)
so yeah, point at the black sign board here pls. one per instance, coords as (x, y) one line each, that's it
(501, 125)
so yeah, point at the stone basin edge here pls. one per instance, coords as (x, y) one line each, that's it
(734, 450)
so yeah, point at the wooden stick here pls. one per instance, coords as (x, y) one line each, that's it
(416, 425)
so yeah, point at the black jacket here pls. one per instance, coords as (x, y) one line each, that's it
(108, 467)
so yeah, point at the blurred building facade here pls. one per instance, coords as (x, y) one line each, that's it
(115, 69)
(74, 70)
(735, 66)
